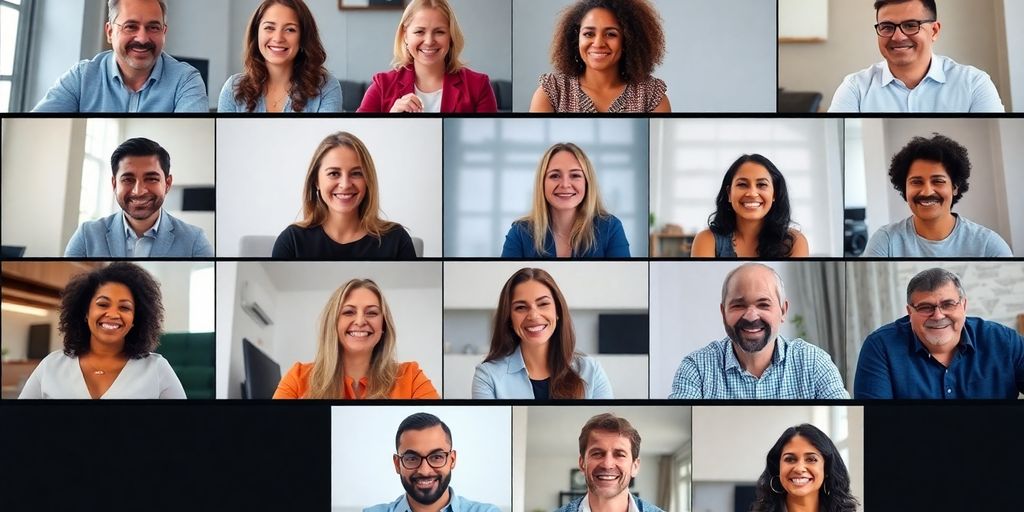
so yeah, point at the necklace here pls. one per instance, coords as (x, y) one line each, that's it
(97, 371)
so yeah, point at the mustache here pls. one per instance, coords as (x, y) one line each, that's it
(920, 199)
(141, 46)
(938, 324)
(750, 324)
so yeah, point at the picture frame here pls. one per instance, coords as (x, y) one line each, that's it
(371, 5)
(577, 481)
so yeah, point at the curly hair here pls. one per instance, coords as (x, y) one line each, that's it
(643, 39)
(775, 239)
(144, 335)
(939, 148)
(834, 495)
(308, 71)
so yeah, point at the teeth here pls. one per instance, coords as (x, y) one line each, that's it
(110, 326)
(752, 205)
(607, 477)
(358, 334)
(800, 481)
(536, 328)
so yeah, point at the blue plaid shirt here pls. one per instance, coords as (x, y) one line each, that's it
(799, 370)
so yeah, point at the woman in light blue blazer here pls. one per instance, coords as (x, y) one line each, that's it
(533, 346)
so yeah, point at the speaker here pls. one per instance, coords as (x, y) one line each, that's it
(855, 232)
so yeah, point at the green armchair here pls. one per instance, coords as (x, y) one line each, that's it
(192, 356)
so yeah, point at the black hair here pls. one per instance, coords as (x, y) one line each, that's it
(421, 421)
(774, 240)
(144, 335)
(933, 279)
(939, 148)
(928, 4)
(140, 146)
(834, 495)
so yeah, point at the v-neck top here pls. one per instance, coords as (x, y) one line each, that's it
(566, 95)
(60, 376)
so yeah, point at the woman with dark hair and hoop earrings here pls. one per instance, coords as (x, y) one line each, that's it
(112, 318)
(533, 346)
(804, 473)
(284, 65)
(751, 218)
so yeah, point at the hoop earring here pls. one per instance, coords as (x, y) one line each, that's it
(771, 485)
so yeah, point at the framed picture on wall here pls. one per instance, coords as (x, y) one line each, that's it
(353, 5)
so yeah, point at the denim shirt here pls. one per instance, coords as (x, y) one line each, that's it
(506, 378)
(456, 504)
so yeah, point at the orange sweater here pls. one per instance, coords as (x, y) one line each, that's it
(411, 383)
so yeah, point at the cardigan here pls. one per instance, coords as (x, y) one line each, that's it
(463, 91)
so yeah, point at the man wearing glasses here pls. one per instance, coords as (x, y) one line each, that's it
(937, 351)
(912, 78)
(424, 462)
(136, 76)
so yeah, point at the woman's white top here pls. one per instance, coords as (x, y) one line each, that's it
(431, 100)
(60, 376)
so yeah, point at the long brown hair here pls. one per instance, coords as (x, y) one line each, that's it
(315, 211)
(308, 72)
(565, 382)
(328, 375)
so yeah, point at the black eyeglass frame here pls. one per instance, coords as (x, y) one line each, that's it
(421, 458)
(901, 27)
(932, 307)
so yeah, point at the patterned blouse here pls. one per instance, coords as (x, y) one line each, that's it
(566, 95)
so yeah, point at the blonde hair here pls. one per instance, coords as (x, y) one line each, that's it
(581, 237)
(328, 375)
(314, 209)
(452, 61)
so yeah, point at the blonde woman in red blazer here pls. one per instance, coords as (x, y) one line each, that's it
(428, 75)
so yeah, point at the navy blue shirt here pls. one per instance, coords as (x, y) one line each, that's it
(609, 241)
(987, 363)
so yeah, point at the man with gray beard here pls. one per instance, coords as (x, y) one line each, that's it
(755, 361)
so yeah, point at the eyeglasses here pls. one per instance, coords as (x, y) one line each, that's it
(947, 307)
(412, 460)
(131, 28)
(909, 27)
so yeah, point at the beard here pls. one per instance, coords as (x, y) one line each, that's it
(426, 497)
(736, 333)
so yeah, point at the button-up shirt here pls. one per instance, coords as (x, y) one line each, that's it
(136, 246)
(96, 86)
(988, 362)
(947, 87)
(455, 504)
(799, 370)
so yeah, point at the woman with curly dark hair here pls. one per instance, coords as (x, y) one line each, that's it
(111, 319)
(284, 65)
(604, 52)
(804, 473)
(751, 218)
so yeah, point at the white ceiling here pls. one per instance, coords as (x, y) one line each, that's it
(555, 430)
(297, 276)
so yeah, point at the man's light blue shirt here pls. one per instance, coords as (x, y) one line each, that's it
(96, 86)
(967, 240)
(456, 504)
(947, 87)
(799, 370)
(139, 246)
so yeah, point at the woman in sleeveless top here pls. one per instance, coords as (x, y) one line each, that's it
(751, 219)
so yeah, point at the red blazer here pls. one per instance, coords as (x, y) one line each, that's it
(463, 91)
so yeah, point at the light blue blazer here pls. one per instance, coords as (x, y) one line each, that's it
(506, 378)
(104, 237)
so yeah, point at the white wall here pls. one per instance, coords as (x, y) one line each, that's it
(1009, 157)
(1013, 18)
(175, 288)
(227, 296)
(16, 329)
(363, 442)
(262, 163)
(243, 326)
(738, 76)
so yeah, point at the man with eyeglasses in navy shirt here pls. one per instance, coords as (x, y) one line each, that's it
(937, 351)
(136, 76)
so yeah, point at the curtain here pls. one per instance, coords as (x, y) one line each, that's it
(822, 290)
(873, 296)
(666, 482)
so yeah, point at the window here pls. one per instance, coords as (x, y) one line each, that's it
(201, 300)
(15, 17)
(101, 137)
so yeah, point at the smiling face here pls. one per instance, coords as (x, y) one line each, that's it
(360, 322)
(608, 463)
(939, 329)
(425, 484)
(342, 181)
(801, 467)
(140, 186)
(752, 313)
(565, 183)
(137, 35)
(901, 50)
(600, 42)
(278, 35)
(929, 190)
(428, 37)
(534, 313)
(751, 192)
(111, 314)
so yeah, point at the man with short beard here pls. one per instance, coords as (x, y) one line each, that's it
(141, 179)
(937, 351)
(931, 175)
(755, 361)
(136, 75)
(424, 462)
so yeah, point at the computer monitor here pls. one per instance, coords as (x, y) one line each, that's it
(12, 251)
(262, 374)
(627, 333)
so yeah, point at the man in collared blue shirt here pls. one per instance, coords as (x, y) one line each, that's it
(424, 463)
(141, 179)
(755, 361)
(912, 78)
(136, 76)
(937, 351)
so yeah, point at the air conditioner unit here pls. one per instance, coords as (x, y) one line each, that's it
(256, 303)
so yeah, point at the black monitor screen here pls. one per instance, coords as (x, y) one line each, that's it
(199, 199)
(623, 334)
(262, 374)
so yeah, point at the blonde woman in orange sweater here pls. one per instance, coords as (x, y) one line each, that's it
(356, 354)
